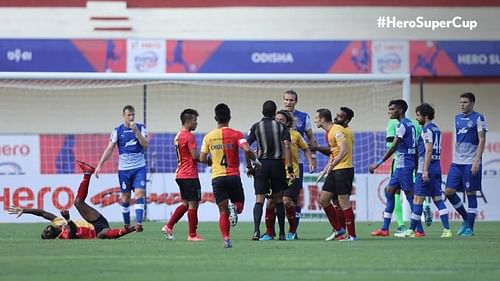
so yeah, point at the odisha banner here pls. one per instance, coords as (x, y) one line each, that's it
(419, 58)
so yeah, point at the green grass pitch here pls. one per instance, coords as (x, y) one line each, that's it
(148, 256)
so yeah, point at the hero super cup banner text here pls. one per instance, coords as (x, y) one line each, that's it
(146, 56)
(19, 155)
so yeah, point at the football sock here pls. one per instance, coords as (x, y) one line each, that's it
(257, 216)
(280, 214)
(443, 213)
(471, 210)
(239, 207)
(419, 227)
(224, 224)
(298, 211)
(349, 222)
(83, 190)
(192, 221)
(177, 215)
(290, 215)
(270, 219)
(340, 215)
(398, 210)
(139, 210)
(114, 233)
(416, 216)
(126, 213)
(332, 218)
(389, 208)
(457, 204)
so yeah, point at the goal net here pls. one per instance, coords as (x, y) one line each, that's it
(73, 115)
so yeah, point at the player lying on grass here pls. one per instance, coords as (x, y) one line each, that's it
(94, 225)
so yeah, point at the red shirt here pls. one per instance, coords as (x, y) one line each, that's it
(187, 167)
(81, 233)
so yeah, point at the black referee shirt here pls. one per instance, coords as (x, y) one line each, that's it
(269, 135)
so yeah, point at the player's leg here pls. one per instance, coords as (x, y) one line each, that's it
(390, 190)
(454, 182)
(168, 228)
(408, 186)
(88, 213)
(278, 184)
(471, 191)
(344, 179)
(139, 184)
(237, 197)
(270, 220)
(193, 196)
(124, 178)
(398, 213)
(298, 207)
(261, 186)
(290, 198)
(221, 189)
(327, 193)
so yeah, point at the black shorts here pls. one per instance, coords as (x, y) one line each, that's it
(99, 224)
(339, 182)
(271, 176)
(228, 187)
(190, 189)
(293, 190)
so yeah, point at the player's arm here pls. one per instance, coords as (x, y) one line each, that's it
(203, 157)
(105, 156)
(312, 143)
(342, 153)
(427, 161)
(288, 158)
(37, 212)
(309, 156)
(480, 149)
(250, 157)
(387, 155)
(141, 135)
(323, 149)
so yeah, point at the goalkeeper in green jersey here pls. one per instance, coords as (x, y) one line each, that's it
(398, 210)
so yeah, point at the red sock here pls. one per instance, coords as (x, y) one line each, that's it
(340, 215)
(349, 221)
(330, 214)
(239, 207)
(290, 215)
(114, 233)
(224, 224)
(83, 190)
(270, 221)
(193, 221)
(177, 215)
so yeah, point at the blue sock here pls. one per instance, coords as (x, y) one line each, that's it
(139, 210)
(472, 210)
(443, 213)
(457, 204)
(389, 208)
(298, 210)
(126, 213)
(416, 215)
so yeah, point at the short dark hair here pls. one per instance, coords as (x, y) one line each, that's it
(469, 96)
(269, 108)
(49, 232)
(222, 113)
(325, 114)
(289, 117)
(426, 109)
(129, 108)
(292, 92)
(399, 103)
(349, 112)
(188, 114)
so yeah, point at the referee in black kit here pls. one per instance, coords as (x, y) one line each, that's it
(273, 147)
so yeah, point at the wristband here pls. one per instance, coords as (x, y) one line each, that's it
(313, 156)
(380, 162)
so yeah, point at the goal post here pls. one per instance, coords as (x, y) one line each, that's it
(75, 112)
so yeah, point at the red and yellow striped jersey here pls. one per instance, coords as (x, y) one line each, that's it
(223, 145)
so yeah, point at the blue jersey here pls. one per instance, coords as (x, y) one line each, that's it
(130, 151)
(467, 128)
(408, 145)
(302, 122)
(430, 134)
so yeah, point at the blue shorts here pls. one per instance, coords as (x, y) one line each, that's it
(402, 178)
(131, 179)
(430, 188)
(460, 178)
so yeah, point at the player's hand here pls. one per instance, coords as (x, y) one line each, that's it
(65, 214)
(97, 171)
(250, 171)
(132, 125)
(425, 176)
(312, 167)
(372, 168)
(13, 210)
(475, 168)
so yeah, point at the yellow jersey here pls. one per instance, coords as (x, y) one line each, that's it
(335, 136)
